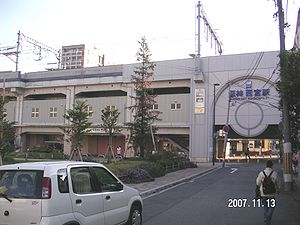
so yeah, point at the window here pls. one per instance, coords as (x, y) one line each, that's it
(62, 178)
(53, 112)
(106, 180)
(81, 180)
(155, 107)
(89, 110)
(111, 107)
(23, 184)
(35, 113)
(175, 106)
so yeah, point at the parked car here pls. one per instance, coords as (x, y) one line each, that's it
(66, 193)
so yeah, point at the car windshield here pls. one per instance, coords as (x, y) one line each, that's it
(21, 183)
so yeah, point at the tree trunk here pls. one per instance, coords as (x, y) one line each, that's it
(109, 153)
(142, 151)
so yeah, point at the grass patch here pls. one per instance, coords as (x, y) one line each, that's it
(122, 166)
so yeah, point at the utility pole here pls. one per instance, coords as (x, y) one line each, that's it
(1, 122)
(214, 134)
(210, 31)
(13, 52)
(198, 22)
(17, 54)
(226, 127)
(287, 148)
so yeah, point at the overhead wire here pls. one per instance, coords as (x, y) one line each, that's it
(269, 79)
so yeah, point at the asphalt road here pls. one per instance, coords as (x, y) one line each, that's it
(223, 197)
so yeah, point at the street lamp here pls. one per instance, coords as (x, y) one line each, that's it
(214, 135)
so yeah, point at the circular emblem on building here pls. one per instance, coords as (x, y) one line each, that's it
(249, 115)
(249, 118)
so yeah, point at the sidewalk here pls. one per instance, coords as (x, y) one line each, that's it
(172, 179)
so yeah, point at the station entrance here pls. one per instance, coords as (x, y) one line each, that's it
(265, 145)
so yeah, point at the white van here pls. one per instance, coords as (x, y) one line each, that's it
(66, 193)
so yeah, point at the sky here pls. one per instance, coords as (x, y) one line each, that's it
(115, 26)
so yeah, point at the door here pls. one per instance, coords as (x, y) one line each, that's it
(115, 200)
(87, 201)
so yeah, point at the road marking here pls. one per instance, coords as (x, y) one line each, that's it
(233, 170)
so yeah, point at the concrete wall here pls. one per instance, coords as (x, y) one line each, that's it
(170, 116)
(101, 102)
(44, 113)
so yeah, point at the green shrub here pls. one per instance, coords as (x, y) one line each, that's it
(136, 175)
(165, 162)
(154, 169)
(161, 155)
(170, 161)
(8, 159)
(127, 169)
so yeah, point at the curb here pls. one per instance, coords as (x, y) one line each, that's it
(149, 192)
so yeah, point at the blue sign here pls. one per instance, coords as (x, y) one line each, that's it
(249, 93)
(248, 84)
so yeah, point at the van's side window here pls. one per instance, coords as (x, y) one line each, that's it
(81, 180)
(107, 181)
(62, 181)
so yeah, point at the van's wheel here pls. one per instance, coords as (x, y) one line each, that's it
(135, 217)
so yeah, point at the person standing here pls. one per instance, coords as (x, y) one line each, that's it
(268, 183)
(247, 153)
(119, 150)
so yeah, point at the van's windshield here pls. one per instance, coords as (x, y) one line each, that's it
(21, 183)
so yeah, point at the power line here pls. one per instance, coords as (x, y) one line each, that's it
(274, 71)
(13, 52)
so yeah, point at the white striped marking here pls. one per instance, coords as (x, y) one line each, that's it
(233, 170)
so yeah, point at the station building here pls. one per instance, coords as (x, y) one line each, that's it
(242, 87)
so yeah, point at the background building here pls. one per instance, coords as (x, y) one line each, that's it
(246, 84)
(79, 56)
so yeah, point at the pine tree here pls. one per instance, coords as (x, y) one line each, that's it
(109, 117)
(79, 124)
(8, 138)
(7, 132)
(143, 114)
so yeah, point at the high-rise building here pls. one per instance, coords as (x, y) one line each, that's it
(79, 56)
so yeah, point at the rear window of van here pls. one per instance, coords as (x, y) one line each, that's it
(26, 184)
